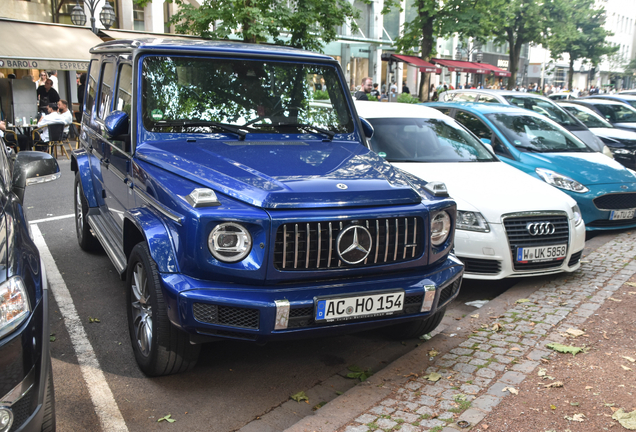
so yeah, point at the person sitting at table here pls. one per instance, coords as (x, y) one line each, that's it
(23, 140)
(47, 95)
(65, 114)
(53, 116)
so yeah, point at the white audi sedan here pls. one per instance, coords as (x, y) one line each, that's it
(509, 224)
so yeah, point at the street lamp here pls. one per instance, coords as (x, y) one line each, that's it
(106, 16)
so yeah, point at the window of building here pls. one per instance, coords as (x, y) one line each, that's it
(138, 17)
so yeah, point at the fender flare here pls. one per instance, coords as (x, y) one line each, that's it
(142, 224)
(81, 164)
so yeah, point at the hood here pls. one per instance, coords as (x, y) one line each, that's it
(590, 139)
(285, 174)
(492, 188)
(626, 137)
(586, 168)
(626, 126)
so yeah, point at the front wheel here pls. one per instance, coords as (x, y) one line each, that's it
(160, 348)
(413, 329)
(85, 237)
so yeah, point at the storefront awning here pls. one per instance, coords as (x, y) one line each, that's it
(28, 45)
(424, 66)
(494, 69)
(460, 66)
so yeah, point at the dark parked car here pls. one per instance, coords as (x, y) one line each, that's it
(620, 97)
(26, 387)
(619, 114)
(238, 206)
(622, 143)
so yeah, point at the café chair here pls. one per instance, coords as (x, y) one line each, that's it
(74, 134)
(56, 139)
(11, 140)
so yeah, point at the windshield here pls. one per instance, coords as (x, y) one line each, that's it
(530, 133)
(544, 107)
(617, 113)
(425, 140)
(188, 94)
(588, 117)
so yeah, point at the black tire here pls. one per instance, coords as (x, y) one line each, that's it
(160, 348)
(413, 329)
(85, 237)
(48, 420)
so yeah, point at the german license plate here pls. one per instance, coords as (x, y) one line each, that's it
(363, 306)
(622, 214)
(542, 253)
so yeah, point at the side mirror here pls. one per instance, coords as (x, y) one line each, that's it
(366, 128)
(117, 124)
(32, 167)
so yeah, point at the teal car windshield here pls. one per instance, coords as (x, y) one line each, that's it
(532, 133)
(189, 94)
(425, 140)
(546, 108)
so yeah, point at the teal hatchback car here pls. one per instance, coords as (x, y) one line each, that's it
(604, 189)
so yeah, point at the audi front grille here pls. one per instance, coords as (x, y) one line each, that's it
(616, 201)
(519, 236)
(306, 246)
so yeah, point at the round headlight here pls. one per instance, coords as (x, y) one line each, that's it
(229, 242)
(6, 419)
(440, 228)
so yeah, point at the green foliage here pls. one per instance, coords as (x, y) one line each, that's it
(407, 98)
(372, 98)
(577, 30)
(565, 349)
(308, 24)
(321, 95)
(358, 373)
(299, 397)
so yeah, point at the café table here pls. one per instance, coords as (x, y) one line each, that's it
(24, 130)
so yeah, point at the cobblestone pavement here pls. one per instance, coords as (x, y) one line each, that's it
(504, 353)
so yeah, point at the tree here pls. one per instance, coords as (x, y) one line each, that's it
(577, 30)
(434, 19)
(516, 22)
(307, 24)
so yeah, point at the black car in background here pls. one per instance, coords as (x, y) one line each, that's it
(26, 383)
(622, 143)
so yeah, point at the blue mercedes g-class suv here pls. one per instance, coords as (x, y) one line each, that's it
(232, 189)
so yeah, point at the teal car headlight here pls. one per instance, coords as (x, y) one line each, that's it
(562, 182)
(472, 221)
(578, 218)
(14, 305)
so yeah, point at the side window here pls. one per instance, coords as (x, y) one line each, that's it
(106, 90)
(123, 99)
(92, 87)
(443, 110)
(487, 99)
(465, 97)
(499, 148)
(473, 124)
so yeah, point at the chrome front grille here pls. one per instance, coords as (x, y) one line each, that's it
(519, 237)
(313, 246)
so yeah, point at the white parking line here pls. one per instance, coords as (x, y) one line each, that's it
(54, 218)
(105, 406)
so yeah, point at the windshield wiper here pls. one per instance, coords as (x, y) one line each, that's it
(205, 123)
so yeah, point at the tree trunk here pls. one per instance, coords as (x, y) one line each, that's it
(571, 73)
(513, 58)
(427, 47)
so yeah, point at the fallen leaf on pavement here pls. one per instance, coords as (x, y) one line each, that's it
(626, 368)
(605, 335)
(564, 348)
(511, 390)
(627, 420)
(629, 358)
(576, 417)
(553, 407)
(554, 384)
(475, 316)
(433, 376)
(299, 397)
(167, 418)
(588, 388)
(542, 372)
(522, 301)
(613, 299)
(433, 353)
(575, 332)
(515, 349)
(497, 327)
(631, 284)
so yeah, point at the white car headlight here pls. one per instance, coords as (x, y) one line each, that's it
(229, 242)
(578, 218)
(607, 152)
(14, 305)
(440, 228)
(472, 221)
(561, 181)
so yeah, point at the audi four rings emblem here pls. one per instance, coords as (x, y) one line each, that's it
(354, 244)
(540, 228)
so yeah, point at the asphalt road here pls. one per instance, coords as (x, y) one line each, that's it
(233, 382)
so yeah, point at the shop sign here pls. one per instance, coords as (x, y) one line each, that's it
(503, 64)
(43, 64)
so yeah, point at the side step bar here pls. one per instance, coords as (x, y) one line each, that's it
(99, 225)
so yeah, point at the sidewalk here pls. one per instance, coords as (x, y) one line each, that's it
(482, 355)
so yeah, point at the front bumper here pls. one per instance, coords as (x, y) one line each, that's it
(488, 256)
(251, 312)
(24, 368)
(598, 220)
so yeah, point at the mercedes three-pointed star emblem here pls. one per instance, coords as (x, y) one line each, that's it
(354, 244)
